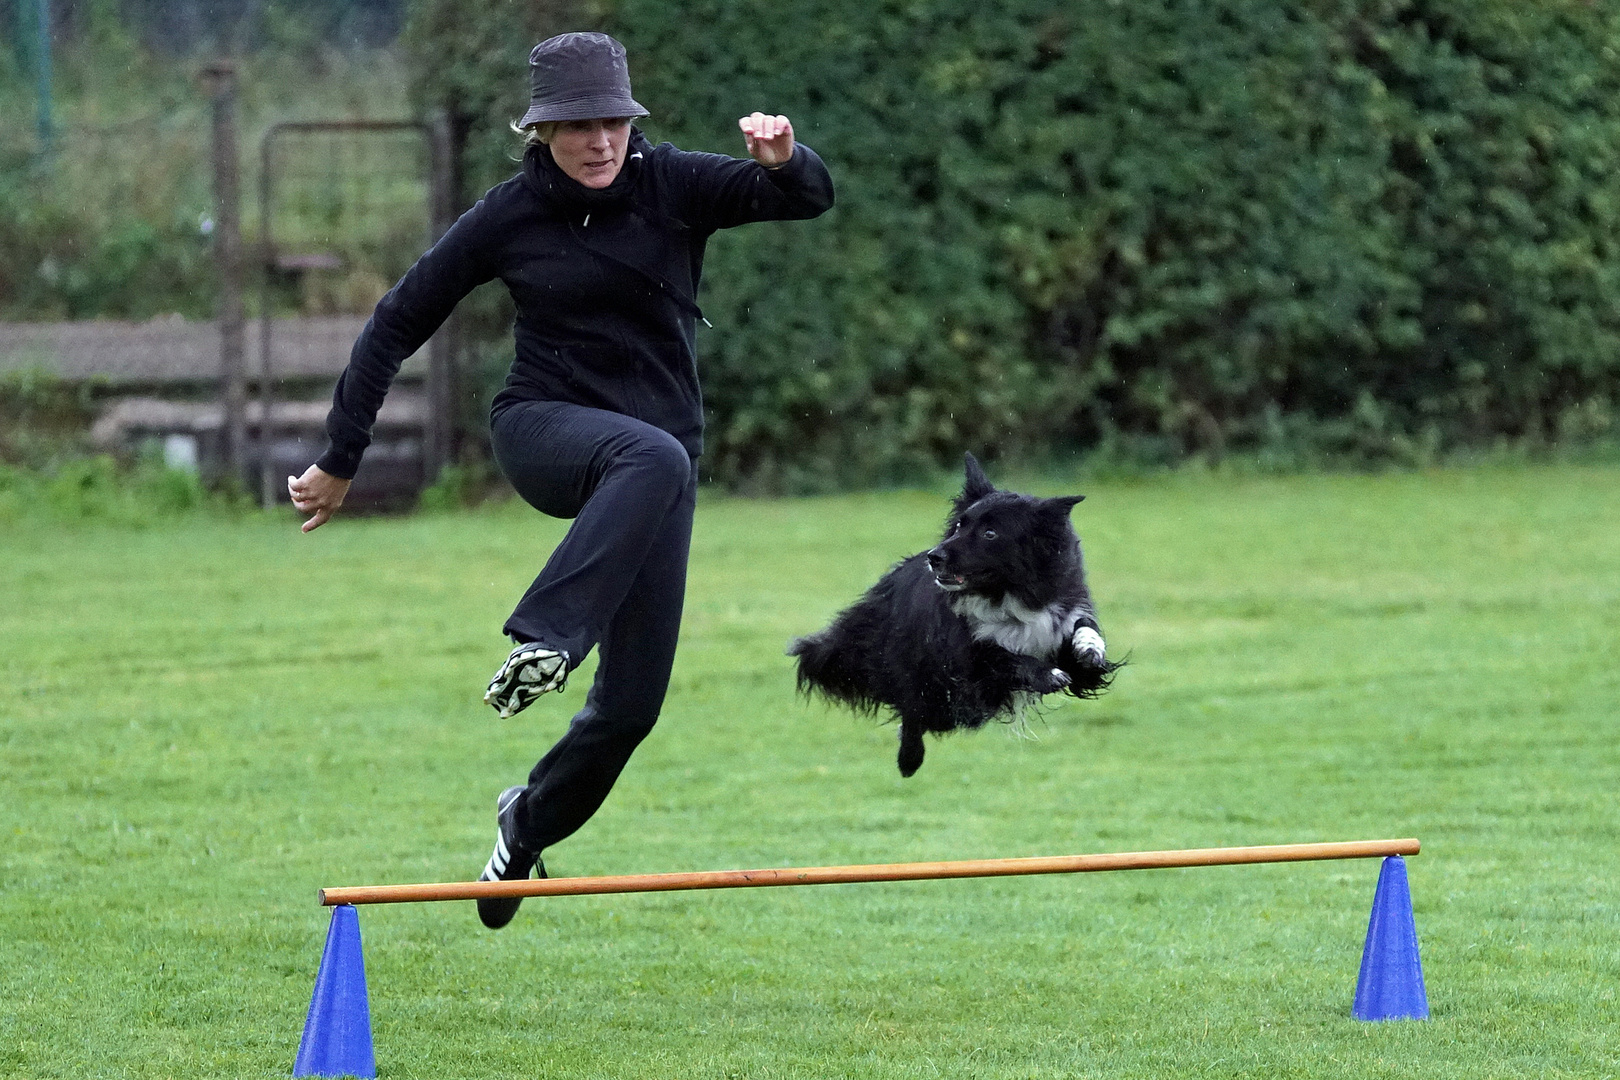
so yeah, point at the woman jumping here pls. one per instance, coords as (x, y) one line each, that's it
(600, 240)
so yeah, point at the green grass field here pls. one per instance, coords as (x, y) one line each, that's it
(203, 722)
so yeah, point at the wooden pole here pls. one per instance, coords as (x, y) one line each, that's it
(267, 375)
(42, 76)
(439, 445)
(843, 875)
(221, 78)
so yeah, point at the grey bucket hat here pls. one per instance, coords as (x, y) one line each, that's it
(579, 77)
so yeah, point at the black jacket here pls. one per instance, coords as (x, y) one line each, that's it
(605, 284)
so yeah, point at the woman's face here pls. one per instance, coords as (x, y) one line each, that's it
(591, 151)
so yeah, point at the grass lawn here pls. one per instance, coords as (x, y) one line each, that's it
(203, 722)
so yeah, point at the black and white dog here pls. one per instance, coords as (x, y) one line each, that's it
(992, 617)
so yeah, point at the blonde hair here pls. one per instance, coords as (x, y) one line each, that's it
(537, 134)
(543, 131)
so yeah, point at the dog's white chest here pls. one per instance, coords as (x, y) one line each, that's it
(1015, 627)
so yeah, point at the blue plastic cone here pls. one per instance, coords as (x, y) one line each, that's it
(1391, 982)
(337, 1035)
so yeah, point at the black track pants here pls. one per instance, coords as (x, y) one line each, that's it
(615, 582)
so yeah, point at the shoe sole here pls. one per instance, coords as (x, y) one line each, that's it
(523, 678)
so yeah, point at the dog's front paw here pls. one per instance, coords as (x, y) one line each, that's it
(1089, 647)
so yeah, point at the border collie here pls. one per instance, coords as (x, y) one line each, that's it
(991, 618)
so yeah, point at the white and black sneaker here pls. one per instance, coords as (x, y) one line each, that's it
(510, 862)
(532, 669)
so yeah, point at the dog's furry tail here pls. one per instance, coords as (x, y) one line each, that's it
(825, 670)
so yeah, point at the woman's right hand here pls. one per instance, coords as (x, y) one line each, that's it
(318, 493)
(769, 139)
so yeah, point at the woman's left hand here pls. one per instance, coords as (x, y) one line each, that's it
(769, 138)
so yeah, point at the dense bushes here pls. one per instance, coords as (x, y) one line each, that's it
(108, 224)
(66, 260)
(1364, 227)
(1347, 228)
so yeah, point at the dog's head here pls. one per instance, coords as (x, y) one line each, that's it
(1000, 542)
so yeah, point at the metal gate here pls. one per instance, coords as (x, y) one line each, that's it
(281, 261)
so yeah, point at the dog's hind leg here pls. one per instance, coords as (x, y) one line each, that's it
(911, 747)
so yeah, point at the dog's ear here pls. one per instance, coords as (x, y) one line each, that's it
(1064, 503)
(976, 486)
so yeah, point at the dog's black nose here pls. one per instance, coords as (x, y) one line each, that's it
(936, 559)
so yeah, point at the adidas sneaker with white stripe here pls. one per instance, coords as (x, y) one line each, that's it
(510, 862)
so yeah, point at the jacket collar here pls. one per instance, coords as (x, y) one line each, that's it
(573, 199)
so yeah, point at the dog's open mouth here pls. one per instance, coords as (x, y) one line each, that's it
(950, 582)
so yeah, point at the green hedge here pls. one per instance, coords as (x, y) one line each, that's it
(1327, 228)
(1363, 229)
(1369, 228)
